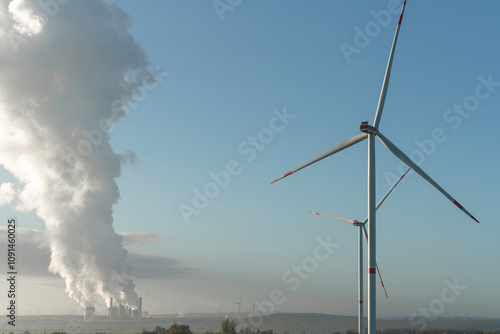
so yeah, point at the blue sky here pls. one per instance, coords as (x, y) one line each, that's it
(226, 81)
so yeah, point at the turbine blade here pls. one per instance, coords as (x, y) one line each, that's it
(338, 148)
(365, 233)
(333, 217)
(384, 198)
(376, 265)
(385, 85)
(381, 280)
(390, 190)
(404, 158)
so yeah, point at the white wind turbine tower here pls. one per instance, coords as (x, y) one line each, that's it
(239, 307)
(361, 232)
(371, 132)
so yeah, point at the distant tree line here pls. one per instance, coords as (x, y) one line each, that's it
(227, 327)
(174, 329)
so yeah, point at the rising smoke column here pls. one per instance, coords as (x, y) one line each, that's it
(67, 69)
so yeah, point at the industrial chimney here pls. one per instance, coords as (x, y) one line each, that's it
(110, 308)
(89, 313)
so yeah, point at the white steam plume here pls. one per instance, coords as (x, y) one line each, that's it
(66, 70)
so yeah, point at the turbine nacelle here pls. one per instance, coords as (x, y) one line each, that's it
(364, 127)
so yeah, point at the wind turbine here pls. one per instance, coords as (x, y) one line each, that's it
(239, 306)
(361, 232)
(371, 132)
(253, 306)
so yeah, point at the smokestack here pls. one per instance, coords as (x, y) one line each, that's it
(89, 313)
(110, 308)
(140, 307)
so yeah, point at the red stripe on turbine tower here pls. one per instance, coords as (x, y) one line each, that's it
(371, 271)
(361, 302)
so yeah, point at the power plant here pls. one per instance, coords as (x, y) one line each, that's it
(124, 312)
(116, 311)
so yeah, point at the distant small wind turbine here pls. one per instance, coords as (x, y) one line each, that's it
(361, 231)
(253, 306)
(371, 132)
(239, 307)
